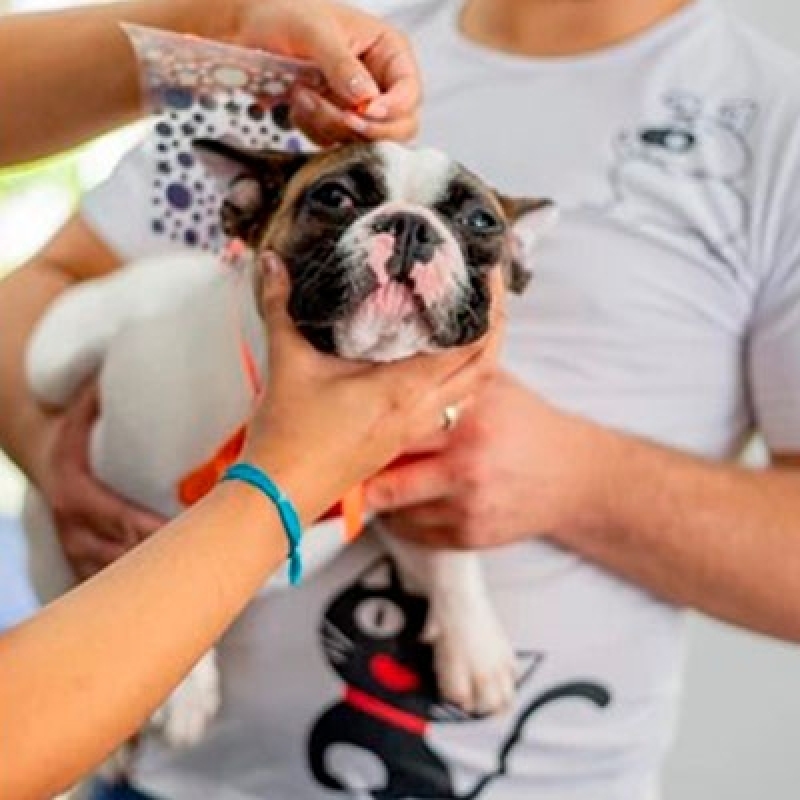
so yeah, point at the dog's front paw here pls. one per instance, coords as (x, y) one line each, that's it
(186, 714)
(474, 661)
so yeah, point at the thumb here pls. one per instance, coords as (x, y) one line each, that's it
(284, 343)
(345, 73)
(275, 289)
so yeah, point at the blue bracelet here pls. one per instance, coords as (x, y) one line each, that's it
(248, 473)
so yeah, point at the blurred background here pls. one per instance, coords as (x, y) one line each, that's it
(741, 715)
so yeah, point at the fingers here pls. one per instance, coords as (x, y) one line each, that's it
(434, 443)
(285, 344)
(106, 512)
(402, 487)
(391, 114)
(327, 124)
(78, 422)
(421, 519)
(349, 79)
(89, 553)
(460, 388)
(436, 537)
(391, 61)
(324, 122)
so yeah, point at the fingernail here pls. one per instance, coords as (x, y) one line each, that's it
(377, 110)
(306, 102)
(358, 124)
(270, 263)
(357, 86)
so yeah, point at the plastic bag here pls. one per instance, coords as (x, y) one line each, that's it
(202, 89)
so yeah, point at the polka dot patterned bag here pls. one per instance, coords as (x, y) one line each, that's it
(203, 89)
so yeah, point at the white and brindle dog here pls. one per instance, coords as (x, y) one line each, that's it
(388, 250)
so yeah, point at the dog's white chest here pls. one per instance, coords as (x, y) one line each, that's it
(169, 371)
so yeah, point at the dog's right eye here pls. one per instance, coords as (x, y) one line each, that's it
(332, 196)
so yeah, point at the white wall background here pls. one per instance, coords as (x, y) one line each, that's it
(740, 732)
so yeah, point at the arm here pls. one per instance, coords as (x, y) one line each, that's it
(719, 538)
(722, 539)
(68, 75)
(52, 61)
(75, 254)
(184, 586)
(178, 591)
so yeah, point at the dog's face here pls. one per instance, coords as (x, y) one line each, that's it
(388, 248)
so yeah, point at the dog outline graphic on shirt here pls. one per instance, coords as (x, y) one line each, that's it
(685, 173)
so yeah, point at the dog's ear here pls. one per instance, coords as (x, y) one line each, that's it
(529, 218)
(253, 183)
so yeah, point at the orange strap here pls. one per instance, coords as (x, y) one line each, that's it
(199, 482)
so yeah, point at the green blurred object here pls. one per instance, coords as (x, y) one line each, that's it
(61, 169)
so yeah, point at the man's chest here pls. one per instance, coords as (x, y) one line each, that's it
(331, 690)
(640, 300)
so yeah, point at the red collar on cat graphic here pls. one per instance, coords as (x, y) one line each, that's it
(380, 709)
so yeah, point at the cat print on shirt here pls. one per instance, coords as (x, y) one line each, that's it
(685, 173)
(374, 742)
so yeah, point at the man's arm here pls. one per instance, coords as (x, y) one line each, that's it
(95, 525)
(722, 539)
(75, 254)
(719, 538)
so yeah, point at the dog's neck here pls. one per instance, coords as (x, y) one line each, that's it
(550, 28)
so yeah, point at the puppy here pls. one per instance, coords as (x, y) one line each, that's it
(388, 250)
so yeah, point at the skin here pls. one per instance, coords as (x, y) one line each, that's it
(718, 538)
(81, 77)
(189, 581)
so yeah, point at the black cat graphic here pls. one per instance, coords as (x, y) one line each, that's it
(373, 743)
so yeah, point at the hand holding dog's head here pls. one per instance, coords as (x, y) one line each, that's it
(389, 248)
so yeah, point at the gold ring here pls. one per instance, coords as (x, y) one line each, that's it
(450, 417)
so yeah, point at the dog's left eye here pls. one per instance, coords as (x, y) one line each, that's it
(332, 196)
(482, 221)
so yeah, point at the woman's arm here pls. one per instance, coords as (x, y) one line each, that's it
(89, 669)
(80, 677)
(68, 75)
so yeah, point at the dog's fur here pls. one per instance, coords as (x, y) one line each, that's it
(389, 251)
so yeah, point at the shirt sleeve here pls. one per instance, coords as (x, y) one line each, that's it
(773, 345)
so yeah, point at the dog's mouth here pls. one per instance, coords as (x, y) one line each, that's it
(383, 295)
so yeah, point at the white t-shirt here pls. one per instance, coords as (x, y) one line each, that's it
(666, 305)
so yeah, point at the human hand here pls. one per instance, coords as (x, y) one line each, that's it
(512, 467)
(95, 526)
(325, 424)
(368, 65)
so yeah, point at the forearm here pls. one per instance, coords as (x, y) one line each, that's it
(123, 640)
(74, 255)
(720, 539)
(24, 297)
(69, 75)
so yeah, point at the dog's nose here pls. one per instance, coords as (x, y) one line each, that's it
(415, 242)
